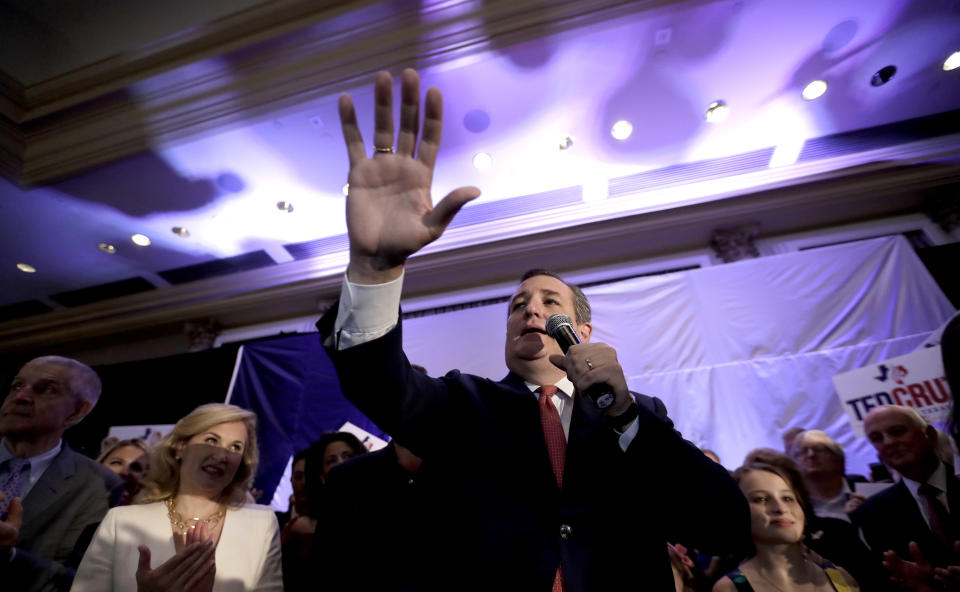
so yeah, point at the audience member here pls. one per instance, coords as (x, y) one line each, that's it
(788, 437)
(297, 530)
(824, 465)
(299, 503)
(922, 507)
(329, 451)
(49, 494)
(524, 506)
(778, 519)
(837, 540)
(377, 496)
(129, 459)
(189, 529)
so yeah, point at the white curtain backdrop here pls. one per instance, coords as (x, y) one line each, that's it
(738, 352)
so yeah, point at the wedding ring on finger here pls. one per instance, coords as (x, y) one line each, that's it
(379, 150)
(589, 364)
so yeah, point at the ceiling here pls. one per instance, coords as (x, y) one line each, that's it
(127, 117)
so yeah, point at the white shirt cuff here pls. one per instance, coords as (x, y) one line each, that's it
(366, 312)
(627, 437)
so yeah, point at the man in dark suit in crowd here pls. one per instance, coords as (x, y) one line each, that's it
(540, 486)
(923, 507)
(823, 465)
(377, 505)
(64, 494)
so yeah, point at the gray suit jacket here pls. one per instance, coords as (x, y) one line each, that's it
(71, 498)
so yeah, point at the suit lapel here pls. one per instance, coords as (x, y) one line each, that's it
(231, 536)
(591, 440)
(917, 527)
(584, 421)
(953, 500)
(51, 485)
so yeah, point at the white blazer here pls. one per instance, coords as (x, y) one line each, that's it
(247, 556)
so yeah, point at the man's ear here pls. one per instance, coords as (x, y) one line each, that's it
(585, 330)
(82, 408)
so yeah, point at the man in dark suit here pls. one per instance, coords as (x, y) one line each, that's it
(540, 487)
(64, 494)
(921, 508)
(375, 499)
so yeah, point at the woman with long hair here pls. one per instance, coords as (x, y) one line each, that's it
(780, 562)
(189, 528)
(130, 459)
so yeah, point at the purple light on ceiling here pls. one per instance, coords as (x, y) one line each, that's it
(476, 121)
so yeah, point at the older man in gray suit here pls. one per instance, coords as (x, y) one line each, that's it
(64, 494)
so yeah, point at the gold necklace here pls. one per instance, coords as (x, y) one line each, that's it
(182, 525)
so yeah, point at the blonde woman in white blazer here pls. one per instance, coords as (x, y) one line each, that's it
(190, 530)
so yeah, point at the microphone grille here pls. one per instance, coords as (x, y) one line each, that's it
(556, 321)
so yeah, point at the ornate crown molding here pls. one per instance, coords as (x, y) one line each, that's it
(256, 62)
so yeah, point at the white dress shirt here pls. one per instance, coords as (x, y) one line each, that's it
(834, 508)
(38, 465)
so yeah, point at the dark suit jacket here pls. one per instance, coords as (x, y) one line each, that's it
(71, 498)
(891, 519)
(503, 523)
(371, 498)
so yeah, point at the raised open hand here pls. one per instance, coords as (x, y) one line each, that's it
(916, 575)
(390, 214)
(191, 570)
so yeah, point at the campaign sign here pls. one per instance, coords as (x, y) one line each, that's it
(366, 438)
(151, 433)
(915, 380)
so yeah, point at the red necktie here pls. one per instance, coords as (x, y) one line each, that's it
(556, 448)
(936, 513)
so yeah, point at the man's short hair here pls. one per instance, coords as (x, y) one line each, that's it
(821, 437)
(84, 382)
(581, 306)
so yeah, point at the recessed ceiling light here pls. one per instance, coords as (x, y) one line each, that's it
(883, 75)
(482, 161)
(621, 130)
(566, 142)
(180, 231)
(952, 62)
(814, 90)
(717, 111)
(285, 206)
(26, 268)
(141, 240)
(345, 189)
(107, 248)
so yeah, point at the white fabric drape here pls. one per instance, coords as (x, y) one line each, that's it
(738, 352)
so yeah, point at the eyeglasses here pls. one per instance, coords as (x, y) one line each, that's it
(818, 449)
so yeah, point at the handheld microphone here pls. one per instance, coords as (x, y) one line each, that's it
(560, 327)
